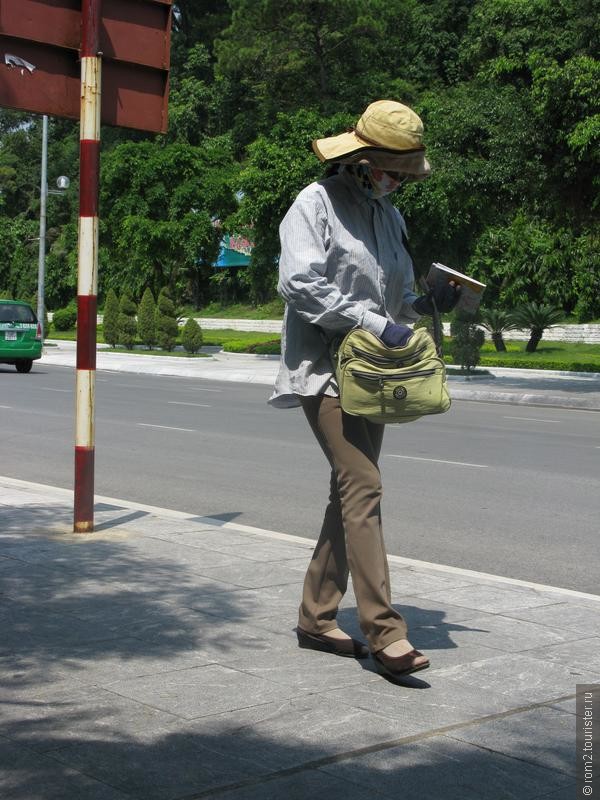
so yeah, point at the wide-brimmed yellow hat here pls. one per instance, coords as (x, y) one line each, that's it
(389, 135)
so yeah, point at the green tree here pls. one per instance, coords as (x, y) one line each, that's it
(191, 336)
(538, 317)
(160, 203)
(146, 319)
(166, 321)
(110, 319)
(127, 325)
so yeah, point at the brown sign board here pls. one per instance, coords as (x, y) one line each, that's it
(40, 68)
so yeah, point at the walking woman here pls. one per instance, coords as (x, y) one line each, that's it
(344, 264)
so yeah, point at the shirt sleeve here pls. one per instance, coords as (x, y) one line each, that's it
(303, 282)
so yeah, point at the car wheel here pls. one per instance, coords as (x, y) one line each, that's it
(24, 365)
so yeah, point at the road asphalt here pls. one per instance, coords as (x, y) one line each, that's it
(156, 658)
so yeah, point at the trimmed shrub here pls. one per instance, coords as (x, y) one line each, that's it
(467, 340)
(127, 324)
(166, 321)
(191, 336)
(110, 322)
(64, 319)
(146, 320)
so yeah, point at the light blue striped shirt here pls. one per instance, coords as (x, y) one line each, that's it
(342, 264)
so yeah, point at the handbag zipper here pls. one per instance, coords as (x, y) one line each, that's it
(384, 360)
(380, 379)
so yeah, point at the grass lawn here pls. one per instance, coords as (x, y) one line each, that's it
(272, 310)
(549, 355)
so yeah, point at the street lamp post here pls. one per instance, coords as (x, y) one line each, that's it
(63, 183)
(42, 250)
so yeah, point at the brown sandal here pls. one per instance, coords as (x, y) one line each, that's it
(349, 648)
(399, 666)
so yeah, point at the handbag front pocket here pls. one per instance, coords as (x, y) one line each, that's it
(405, 395)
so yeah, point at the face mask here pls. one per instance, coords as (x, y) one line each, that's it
(374, 182)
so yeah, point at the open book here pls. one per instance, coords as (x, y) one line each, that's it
(471, 290)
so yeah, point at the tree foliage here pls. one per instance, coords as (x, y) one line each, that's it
(126, 325)
(509, 92)
(110, 319)
(166, 321)
(146, 319)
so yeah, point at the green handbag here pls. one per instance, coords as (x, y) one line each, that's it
(390, 384)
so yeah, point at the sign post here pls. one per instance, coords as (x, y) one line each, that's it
(123, 48)
(87, 271)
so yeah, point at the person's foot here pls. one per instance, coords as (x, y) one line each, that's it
(335, 641)
(399, 659)
(398, 648)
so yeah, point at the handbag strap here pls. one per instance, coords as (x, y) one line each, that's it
(438, 330)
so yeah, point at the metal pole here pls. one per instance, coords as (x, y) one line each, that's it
(87, 274)
(42, 250)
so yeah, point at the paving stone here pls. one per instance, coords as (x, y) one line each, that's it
(124, 658)
(200, 691)
(306, 670)
(513, 680)
(438, 697)
(568, 706)
(175, 765)
(55, 718)
(193, 559)
(253, 575)
(25, 625)
(427, 612)
(409, 581)
(495, 599)
(542, 736)
(499, 632)
(26, 775)
(269, 550)
(443, 769)
(296, 731)
(566, 792)
(581, 654)
(566, 615)
(313, 783)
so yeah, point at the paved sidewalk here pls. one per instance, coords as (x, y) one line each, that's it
(528, 387)
(155, 659)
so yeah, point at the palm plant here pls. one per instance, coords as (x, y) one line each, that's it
(497, 321)
(537, 317)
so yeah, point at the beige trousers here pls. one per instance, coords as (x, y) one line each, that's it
(351, 539)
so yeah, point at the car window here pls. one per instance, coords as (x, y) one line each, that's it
(10, 313)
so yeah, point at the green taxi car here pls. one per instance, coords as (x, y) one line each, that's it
(20, 335)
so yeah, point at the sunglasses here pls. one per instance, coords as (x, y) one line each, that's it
(399, 177)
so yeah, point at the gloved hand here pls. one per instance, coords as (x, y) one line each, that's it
(396, 335)
(445, 296)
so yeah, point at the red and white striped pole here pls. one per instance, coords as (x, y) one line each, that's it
(87, 274)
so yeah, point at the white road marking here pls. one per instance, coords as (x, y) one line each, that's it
(535, 419)
(50, 389)
(166, 427)
(198, 389)
(178, 403)
(439, 461)
(167, 513)
(5, 406)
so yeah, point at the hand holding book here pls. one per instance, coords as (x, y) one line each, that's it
(440, 276)
(442, 297)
